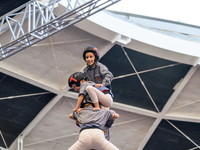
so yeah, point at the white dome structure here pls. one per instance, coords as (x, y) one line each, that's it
(155, 63)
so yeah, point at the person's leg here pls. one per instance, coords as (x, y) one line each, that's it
(84, 141)
(75, 146)
(98, 96)
(109, 146)
(100, 143)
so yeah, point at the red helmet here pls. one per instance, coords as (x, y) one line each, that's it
(76, 78)
(92, 49)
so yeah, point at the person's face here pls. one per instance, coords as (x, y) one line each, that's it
(89, 58)
(76, 88)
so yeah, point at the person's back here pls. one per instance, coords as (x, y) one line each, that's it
(91, 134)
(90, 116)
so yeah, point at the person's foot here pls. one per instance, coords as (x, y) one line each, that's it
(96, 106)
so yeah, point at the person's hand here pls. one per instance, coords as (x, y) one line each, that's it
(96, 108)
(115, 115)
(98, 85)
(78, 110)
(75, 109)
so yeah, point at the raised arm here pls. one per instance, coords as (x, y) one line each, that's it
(71, 117)
(80, 99)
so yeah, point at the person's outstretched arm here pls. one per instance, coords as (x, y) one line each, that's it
(71, 117)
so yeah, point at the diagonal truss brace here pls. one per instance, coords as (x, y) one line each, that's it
(37, 21)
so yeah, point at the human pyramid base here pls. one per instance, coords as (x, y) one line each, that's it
(92, 113)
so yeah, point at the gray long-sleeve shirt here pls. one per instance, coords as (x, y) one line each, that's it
(98, 74)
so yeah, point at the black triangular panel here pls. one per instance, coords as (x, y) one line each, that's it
(117, 62)
(11, 87)
(166, 137)
(7, 6)
(17, 113)
(160, 83)
(129, 90)
(143, 61)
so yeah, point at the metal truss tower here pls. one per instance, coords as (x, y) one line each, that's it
(35, 21)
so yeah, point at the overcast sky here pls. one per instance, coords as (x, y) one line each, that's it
(186, 11)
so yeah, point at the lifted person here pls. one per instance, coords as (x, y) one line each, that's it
(98, 95)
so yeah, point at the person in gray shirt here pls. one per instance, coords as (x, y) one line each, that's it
(92, 123)
(96, 71)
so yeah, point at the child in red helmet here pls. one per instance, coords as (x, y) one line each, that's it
(101, 94)
(96, 71)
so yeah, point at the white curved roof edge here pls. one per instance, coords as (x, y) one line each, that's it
(159, 23)
(146, 36)
(114, 29)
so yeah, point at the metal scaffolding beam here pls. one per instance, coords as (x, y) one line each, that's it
(35, 21)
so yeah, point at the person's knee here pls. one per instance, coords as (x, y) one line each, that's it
(89, 88)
